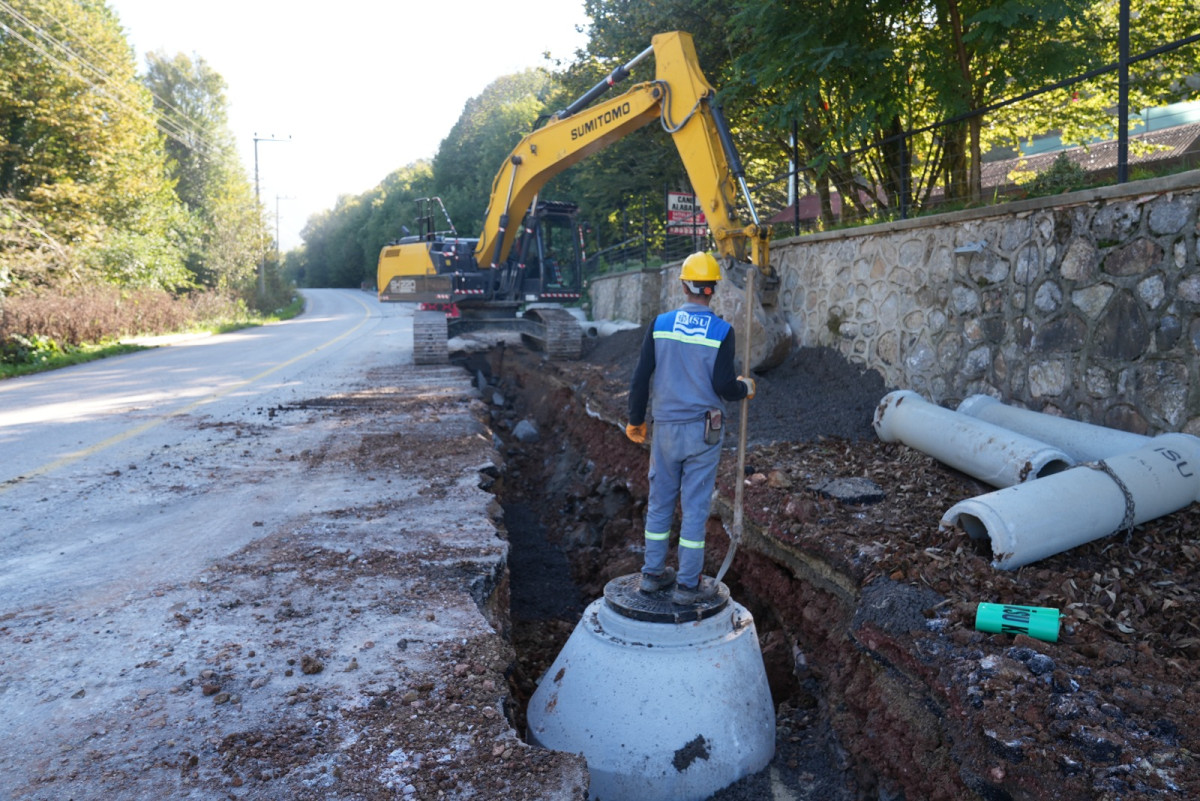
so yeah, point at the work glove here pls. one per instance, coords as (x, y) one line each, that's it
(751, 387)
(636, 433)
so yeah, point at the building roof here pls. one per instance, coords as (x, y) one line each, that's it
(1180, 143)
(1168, 144)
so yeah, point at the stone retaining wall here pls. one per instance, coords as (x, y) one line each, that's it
(630, 295)
(1085, 304)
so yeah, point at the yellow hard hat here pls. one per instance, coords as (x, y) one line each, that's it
(700, 267)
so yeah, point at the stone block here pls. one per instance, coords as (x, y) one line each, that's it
(1122, 333)
(1139, 256)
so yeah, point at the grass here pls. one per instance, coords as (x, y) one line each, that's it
(66, 358)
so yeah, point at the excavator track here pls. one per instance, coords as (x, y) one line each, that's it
(556, 332)
(430, 335)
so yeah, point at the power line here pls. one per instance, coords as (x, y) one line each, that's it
(181, 132)
(165, 127)
(110, 63)
(116, 91)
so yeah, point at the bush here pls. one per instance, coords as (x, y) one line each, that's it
(40, 323)
(1061, 176)
(18, 349)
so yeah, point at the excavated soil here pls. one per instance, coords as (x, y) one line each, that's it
(865, 610)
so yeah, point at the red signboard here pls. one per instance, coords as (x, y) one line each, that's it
(684, 217)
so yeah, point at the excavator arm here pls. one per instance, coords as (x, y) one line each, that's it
(682, 99)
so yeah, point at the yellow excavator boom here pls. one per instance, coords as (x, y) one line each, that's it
(682, 99)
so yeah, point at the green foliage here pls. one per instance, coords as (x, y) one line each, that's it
(94, 200)
(853, 75)
(190, 97)
(341, 246)
(130, 259)
(1084, 112)
(849, 75)
(834, 322)
(45, 354)
(224, 234)
(34, 350)
(620, 189)
(1063, 175)
(80, 157)
(489, 128)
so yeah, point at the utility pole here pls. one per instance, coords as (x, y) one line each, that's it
(262, 251)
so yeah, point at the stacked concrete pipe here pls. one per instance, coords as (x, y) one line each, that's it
(1121, 480)
(1042, 518)
(1082, 442)
(992, 454)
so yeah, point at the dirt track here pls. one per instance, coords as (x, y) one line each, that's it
(355, 649)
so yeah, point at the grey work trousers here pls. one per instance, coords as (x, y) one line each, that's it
(683, 469)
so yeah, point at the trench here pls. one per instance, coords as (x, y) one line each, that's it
(865, 609)
(572, 526)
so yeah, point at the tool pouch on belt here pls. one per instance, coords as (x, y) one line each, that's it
(713, 419)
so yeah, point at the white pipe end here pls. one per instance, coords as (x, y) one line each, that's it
(981, 522)
(884, 413)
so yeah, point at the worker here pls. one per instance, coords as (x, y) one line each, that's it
(689, 355)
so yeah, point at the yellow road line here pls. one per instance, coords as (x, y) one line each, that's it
(71, 458)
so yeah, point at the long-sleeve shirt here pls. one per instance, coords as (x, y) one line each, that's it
(688, 354)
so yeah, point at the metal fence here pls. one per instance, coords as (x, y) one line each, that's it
(912, 172)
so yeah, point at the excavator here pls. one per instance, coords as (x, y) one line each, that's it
(529, 253)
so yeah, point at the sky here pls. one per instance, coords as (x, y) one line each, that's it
(357, 88)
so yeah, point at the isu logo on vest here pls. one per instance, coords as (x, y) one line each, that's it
(691, 325)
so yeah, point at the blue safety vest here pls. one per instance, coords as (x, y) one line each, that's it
(686, 342)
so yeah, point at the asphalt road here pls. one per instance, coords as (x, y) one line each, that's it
(183, 529)
(230, 566)
(89, 451)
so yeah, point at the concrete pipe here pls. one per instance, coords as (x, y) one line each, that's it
(1038, 519)
(1083, 442)
(606, 328)
(980, 449)
(666, 703)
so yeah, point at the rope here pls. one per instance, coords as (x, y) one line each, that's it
(1127, 522)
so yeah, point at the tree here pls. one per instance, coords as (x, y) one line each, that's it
(634, 172)
(341, 246)
(854, 74)
(392, 207)
(1084, 112)
(1000, 48)
(80, 157)
(489, 127)
(226, 235)
(839, 74)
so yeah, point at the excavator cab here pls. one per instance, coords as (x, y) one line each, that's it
(423, 266)
(549, 259)
(454, 255)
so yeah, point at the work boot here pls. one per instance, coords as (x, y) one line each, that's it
(653, 583)
(705, 590)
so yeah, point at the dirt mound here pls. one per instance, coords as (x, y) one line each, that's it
(815, 393)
